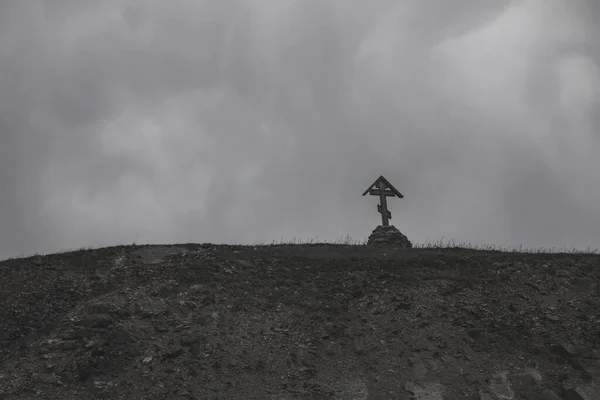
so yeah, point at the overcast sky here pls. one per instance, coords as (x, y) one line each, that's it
(237, 121)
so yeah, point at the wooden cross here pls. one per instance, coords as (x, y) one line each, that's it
(382, 188)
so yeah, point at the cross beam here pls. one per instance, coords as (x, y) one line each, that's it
(382, 188)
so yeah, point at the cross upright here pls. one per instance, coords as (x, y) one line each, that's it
(382, 188)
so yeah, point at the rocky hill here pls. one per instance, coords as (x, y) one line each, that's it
(299, 322)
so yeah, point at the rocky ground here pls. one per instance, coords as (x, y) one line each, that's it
(299, 322)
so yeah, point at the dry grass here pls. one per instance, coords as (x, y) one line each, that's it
(441, 243)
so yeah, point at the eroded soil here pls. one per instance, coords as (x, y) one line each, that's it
(299, 322)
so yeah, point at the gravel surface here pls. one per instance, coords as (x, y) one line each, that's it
(299, 322)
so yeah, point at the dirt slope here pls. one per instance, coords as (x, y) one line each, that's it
(299, 322)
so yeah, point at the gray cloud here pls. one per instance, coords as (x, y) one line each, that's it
(238, 121)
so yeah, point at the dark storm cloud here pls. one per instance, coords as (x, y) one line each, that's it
(245, 121)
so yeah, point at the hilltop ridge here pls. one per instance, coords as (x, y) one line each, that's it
(317, 321)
